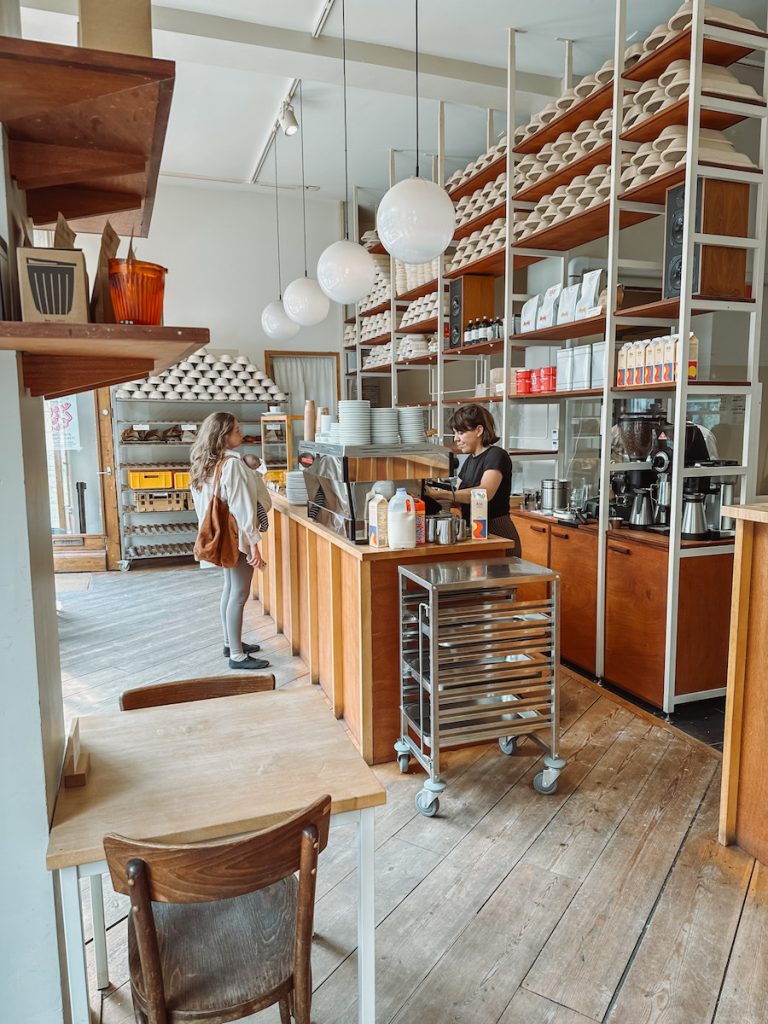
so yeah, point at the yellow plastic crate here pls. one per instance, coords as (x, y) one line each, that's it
(275, 476)
(144, 480)
(181, 481)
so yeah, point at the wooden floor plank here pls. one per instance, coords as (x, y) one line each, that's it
(744, 997)
(528, 1008)
(675, 977)
(583, 961)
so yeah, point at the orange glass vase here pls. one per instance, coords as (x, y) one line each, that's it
(137, 290)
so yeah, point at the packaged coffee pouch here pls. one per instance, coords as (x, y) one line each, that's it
(63, 236)
(101, 301)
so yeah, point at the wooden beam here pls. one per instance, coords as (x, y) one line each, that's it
(37, 165)
(45, 204)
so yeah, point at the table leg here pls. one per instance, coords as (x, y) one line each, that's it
(99, 932)
(366, 918)
(77, 973)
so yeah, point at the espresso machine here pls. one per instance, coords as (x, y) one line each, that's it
(340, 478)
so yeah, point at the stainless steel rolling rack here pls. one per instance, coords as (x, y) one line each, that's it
(477, 663)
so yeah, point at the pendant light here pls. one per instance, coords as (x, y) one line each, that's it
(304, 301)
(416, 219)
(345, 271)
(275, 322)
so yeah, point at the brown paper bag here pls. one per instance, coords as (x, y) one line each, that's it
(63, 235)
(101, 301)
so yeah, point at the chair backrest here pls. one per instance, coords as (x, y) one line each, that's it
(184, 690)
(218, 870)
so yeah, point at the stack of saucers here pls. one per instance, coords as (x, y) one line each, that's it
(334, 433)
(411, 426)
(295, 487)
(385, 426)
(355, 420)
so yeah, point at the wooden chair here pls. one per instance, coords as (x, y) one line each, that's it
(222, 929)
(185, 690)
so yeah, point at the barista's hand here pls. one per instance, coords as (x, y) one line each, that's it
(438, 494)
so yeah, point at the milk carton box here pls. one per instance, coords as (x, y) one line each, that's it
(693, 356)
(639, 347)
(630, 378)
(377, 521)
(658, 360)
(478, 513)
(648, 362)
(668, 366)
(621, 365)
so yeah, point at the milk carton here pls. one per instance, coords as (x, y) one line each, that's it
(668, 366)
(377, 521)
(648, 362)
(639, 347)
(478, 513)
(630, 378)
(658, 360)
(693, 356)
(621, 365)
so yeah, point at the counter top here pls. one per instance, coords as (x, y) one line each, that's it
(630, 536)
(757, 512)
(365, 553)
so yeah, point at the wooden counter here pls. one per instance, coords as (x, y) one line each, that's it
(337, 603)
(743, 818)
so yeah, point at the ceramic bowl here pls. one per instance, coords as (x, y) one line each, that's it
(586, 86)
(559, 196)
(566, 101)
(583, 131)
(657, 101)
(549, 113)
(577, 185)
(562, 143)
(575, 153)
(672, 133)
(632, 54)
(646, 90)
(605, 74)
(592, 141)
(656, 38)
(210, 360)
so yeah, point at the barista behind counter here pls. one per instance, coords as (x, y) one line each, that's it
(486, 465)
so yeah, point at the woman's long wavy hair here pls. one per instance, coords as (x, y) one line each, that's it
(210, 446)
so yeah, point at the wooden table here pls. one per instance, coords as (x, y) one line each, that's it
(189, 772)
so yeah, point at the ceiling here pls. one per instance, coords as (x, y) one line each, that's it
(236, 60)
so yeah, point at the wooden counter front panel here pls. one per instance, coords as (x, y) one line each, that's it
(703, 623)
(534, 547)
(351, 682)
(573, 553)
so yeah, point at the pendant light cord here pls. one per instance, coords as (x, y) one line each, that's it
(277, 224)
(303, 186)
(417, 88)
(344, 89)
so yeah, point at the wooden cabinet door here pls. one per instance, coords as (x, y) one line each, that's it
(635, 626)
(534, 547)
(573, 553)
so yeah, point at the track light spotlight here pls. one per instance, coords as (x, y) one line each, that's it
(287, 119)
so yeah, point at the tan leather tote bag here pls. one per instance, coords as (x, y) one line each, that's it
(217, 537)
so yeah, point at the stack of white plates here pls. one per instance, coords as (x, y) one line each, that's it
(411, 426)
(355, 420)
(385, 426)
(334, 433)
(295, 487)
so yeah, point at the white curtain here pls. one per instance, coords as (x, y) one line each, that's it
(303, 377)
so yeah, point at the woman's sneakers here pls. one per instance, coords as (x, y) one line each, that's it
(249, 663)
(247, 649)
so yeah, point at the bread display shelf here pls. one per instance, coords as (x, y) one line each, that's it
(65, 359)
(566, 174)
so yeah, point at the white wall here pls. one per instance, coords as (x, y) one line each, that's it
(219, 246)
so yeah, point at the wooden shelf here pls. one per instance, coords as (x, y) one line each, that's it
(575, 230)
(86, 131)
(422, 327)
(549, 396)
(545, 186)
(492, 264)
(428, 360)
(679, 48)
(585, 110)
(561, 332)
(378, 250)
(381, 339)
(419, 292)
(380, 308)
(672, 386)
(489, 173)
(483, 219)
(666, 309)
(416, 405)
(382, 368)
(471, 400)
(65, 359)
(677, 113)
(482, 348)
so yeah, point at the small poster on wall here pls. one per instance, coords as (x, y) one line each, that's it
(62, 426)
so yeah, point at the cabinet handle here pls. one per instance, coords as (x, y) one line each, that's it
(538, 529)
(562, 536)
(618, 550)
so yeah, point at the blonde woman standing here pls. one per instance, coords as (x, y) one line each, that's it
(243, 490)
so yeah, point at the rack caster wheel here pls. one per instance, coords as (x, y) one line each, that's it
(508, 744)
(425, 806)
(404, 763)
(540, 786)
(124, 565)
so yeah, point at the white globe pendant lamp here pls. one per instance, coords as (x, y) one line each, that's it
(416, 219)
(345, 271)
(276, 323)
(305, 303)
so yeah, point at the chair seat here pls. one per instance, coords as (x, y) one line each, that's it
(220, 958)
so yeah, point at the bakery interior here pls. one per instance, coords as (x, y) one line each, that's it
(489, 773)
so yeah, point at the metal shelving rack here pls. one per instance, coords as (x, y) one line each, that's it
(477, 662)
(159, 528)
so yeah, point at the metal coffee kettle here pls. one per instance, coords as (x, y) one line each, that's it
(694, 520)
(641, 516)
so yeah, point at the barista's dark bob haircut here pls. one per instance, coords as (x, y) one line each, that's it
(467, 417)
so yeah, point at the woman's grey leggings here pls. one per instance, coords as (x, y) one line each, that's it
(237, 586)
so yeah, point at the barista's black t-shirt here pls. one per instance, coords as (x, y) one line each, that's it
(471, 473)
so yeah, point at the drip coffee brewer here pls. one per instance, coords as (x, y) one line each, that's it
(663, 500)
